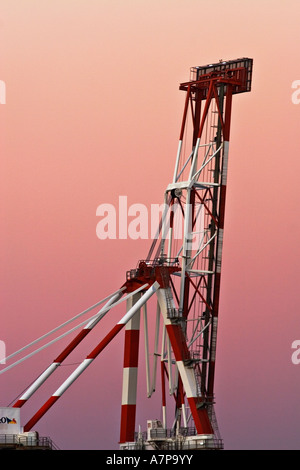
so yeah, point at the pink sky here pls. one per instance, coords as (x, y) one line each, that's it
(92, 112)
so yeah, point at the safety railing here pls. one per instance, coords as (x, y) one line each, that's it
(13, 441)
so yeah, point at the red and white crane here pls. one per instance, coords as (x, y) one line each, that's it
(183, 272)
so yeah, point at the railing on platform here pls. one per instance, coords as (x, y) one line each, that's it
(172, 440)
(15, 441)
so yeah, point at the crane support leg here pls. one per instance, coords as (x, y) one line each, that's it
(183, 360)
(130, 372)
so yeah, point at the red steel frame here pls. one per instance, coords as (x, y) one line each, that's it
(215, 86)
(187, 280)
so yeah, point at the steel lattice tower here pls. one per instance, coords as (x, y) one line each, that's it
(183, 270)
(189, 273)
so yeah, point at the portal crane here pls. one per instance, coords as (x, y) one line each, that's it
(183, 271)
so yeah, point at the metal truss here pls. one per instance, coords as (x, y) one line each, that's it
(183, 270)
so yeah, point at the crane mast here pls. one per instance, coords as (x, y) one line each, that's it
(182, 273)
(191, 270)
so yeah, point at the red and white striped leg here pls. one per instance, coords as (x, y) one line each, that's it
(187, 374)
(130, 372)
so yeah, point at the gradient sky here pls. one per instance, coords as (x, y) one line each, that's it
(92, 112)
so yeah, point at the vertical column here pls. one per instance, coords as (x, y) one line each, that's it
(190, 196)
(130, 370)
(163, 393)
(217, 283)
(187, 373)
(187, 98)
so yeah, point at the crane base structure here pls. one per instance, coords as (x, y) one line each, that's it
(176, 287)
